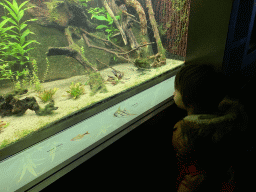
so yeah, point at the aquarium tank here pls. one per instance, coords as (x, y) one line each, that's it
(58, 57)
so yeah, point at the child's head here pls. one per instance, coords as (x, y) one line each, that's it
(200, 87)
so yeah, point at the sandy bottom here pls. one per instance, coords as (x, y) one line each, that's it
(66, 105)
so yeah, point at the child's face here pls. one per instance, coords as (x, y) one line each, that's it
(178, 99)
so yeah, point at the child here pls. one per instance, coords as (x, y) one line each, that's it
(206, 140)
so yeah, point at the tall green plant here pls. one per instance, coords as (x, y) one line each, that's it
(4, 50)
(16, 50)
(96, 13)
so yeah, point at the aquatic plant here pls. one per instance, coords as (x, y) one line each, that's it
(14, 51)
(47, 110)
(96, 83)
(18, 85)
(84, 2)
(47, 95)
(47, 68)
(142, 63)
(35, 78)
(110, 29)
(76, 90)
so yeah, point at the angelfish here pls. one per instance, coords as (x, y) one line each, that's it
(122, 113)
(79, 136)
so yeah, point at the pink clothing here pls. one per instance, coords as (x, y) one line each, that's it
(216, 136)
(190, 174)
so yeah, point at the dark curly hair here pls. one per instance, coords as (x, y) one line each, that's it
(201, 86)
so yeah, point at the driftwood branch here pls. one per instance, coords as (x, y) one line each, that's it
(101, 48)
(128, 14)
(106, 41)
(145, 44)
(142, 16)
(104, 2)
(69, 51)
(61, 51)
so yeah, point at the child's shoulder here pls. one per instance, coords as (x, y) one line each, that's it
(177, 125)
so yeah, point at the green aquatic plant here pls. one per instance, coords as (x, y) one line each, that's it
(47, 110)
(18, 85)
(47, 68)
(142, 63)
(97, 14)
(13, 46)
(47, 95)
(84, 2)
(76, 90)
(35, 80)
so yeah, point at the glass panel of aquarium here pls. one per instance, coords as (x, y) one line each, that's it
(58, 57)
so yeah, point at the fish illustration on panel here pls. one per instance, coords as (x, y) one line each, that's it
(122, 113)
(79, 136)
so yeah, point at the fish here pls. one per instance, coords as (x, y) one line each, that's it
(122, 113)
(3, 124)
(79, 136)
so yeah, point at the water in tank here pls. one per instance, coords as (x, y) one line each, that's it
(60, 56)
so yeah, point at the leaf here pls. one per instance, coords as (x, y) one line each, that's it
(15, 7)
(22, 26)
(101, 26)
(24, 34)
(3, 22)
(102, 18)
(109, 18)
(20, 15)
(110, 23)
(32, 41)
(13, 22)
(27, 51)
(7, 29)
(24, 4)
(11, 12)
